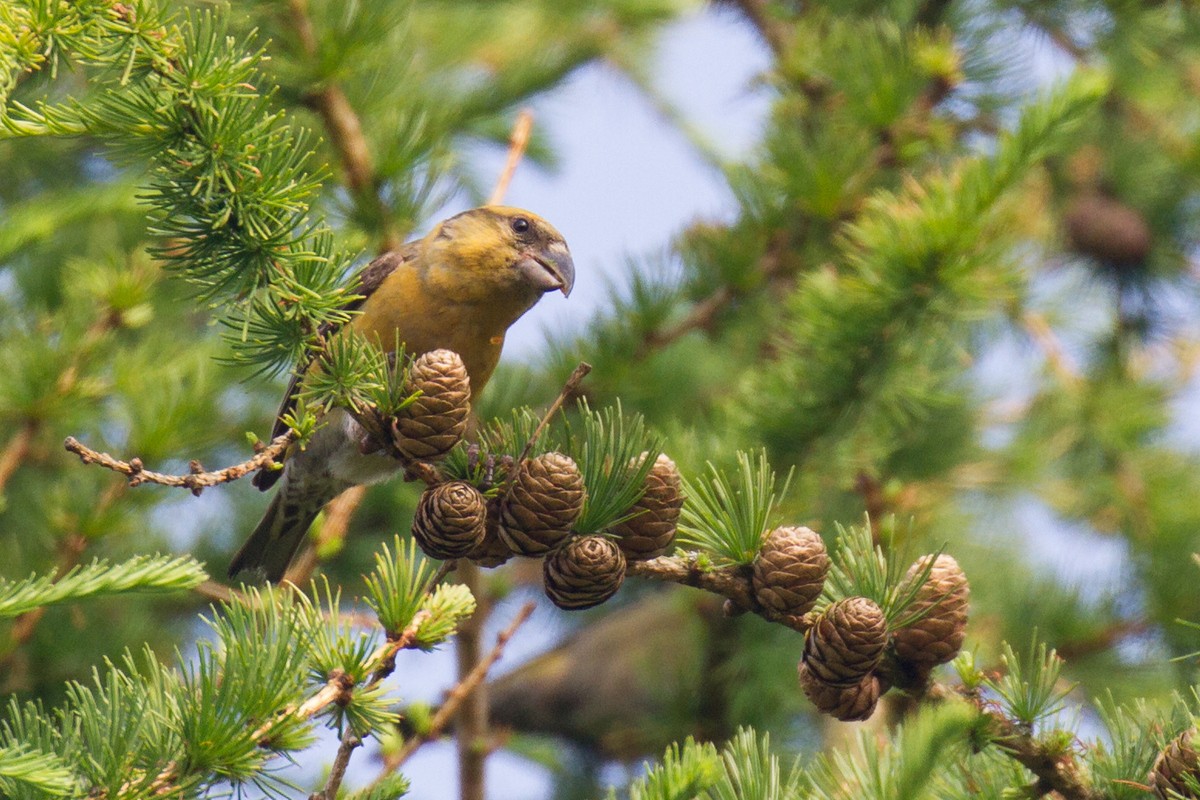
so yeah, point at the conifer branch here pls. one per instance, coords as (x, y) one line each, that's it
(1055, 770)
(197, 480)
(345, 131)
(339, 686)
(731, 582)
(517, 143)
(138, 574)
(455, 698)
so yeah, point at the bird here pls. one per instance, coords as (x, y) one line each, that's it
(460, 288)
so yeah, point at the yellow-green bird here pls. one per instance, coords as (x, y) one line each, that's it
(459, 288)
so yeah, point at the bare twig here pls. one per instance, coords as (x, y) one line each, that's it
(569, 388)
(730, 582)
(197, 480)
(518, 141)
(337, 772)
(338, 513)
(219, 592)
(456, 696)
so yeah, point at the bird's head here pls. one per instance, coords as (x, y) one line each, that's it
(505, 253)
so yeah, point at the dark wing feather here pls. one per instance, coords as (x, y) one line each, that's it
(365, 284)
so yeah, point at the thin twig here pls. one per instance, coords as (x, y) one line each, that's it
(518, 141)
(455, 697)
(730, 582)
(197, 480)
(569, 388)
(337, 773)
(338, 513)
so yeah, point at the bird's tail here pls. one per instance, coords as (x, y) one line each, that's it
(278, 535)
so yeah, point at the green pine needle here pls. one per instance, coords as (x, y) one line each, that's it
(684, 773)
(862, 568)
(447, 606)
(728, 515)
(397, 588)
(392, 787)
(1029, 686)
(43, 772)
(609, 452)
(139, 574)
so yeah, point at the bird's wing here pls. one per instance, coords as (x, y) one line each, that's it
(365, 284)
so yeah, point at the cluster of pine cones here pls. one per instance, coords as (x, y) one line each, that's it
(847, 642)
(534, 516)
(543, 498)
(1175, 765)
(536, 512)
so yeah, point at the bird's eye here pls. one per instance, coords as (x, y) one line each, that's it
(520, 224)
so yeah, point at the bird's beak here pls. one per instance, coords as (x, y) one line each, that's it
(550, 269)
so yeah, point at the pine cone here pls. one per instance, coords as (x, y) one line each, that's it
(450, 521)
(936, 637)
(847, 703)
(651, 528)
(846, 642)
(1177, 760)
(543, 503)
(491, 550)
(789, 570)
(436, 421)
(1107, 229)
(584, 573)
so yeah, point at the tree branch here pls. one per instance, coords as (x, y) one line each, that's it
(518, 141)
(345, 131)
(337, 772)
(197, 480)
(454, 700)
(1055, 770)
(730, 582)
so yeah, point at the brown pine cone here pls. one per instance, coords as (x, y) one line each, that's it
(584, 573)
(1107, 229)
(436, 421)
(936, 637)
(545, 499)
(491, 551)
(1177, 760)
(789, 570)
(650, 529)
(847, 703)
(450, 521)
(846, 642)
